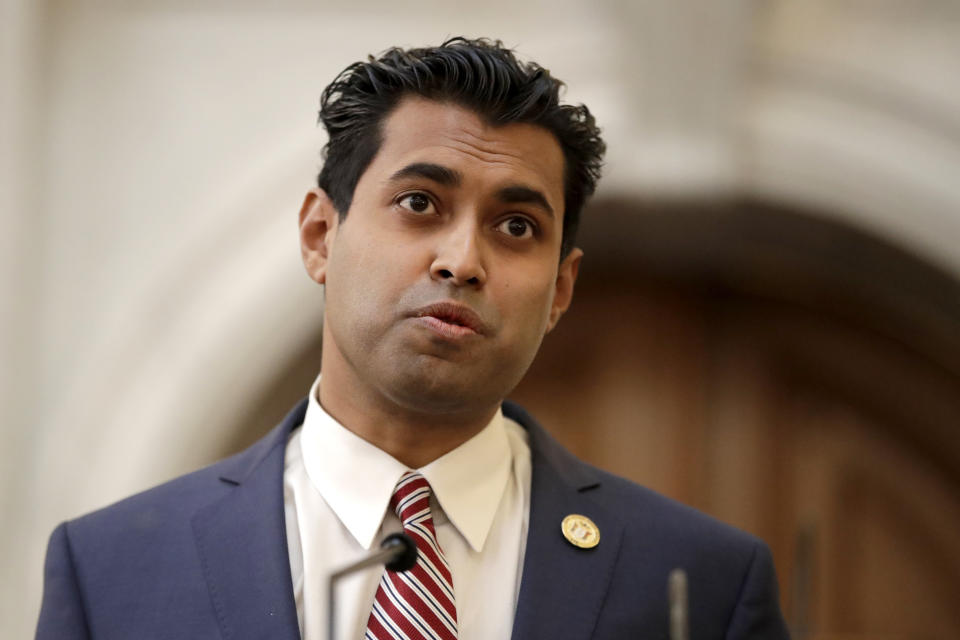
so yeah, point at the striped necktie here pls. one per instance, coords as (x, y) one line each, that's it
(417, 604)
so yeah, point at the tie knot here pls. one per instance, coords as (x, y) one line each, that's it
(411, 498)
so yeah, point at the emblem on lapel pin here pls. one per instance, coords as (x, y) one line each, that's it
(580, 531)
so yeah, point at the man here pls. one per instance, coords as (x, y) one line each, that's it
(443, 231)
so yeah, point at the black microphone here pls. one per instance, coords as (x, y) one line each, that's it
(397, 552)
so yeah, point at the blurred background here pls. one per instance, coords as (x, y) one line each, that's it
(766, 325)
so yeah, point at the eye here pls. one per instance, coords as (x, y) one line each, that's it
(417, 203)
(516, 227)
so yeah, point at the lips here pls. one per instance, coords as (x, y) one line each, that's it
(453, 315)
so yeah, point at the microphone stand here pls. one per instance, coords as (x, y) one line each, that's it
(397, 551)
(679, 612)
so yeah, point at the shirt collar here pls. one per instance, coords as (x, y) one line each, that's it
(356, 479)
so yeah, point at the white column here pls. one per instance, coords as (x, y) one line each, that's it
(20, 79)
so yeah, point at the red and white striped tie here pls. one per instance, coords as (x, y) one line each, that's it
(417, 604)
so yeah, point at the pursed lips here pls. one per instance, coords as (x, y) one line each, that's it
(451, 319)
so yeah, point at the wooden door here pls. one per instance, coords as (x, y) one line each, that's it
(836, 445)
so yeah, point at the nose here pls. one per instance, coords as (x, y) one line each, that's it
(459, 257)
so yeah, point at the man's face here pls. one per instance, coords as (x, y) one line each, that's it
(444, 276)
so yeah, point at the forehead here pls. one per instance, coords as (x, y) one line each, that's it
(422, 130)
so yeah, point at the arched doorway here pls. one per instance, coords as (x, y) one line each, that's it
(785, 373)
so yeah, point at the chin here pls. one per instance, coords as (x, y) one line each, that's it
(435, 389)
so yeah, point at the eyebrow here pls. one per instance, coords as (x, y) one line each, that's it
(519, 193)
(434, 172)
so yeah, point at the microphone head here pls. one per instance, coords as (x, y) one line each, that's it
(406, 551)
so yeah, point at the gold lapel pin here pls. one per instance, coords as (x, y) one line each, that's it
(580, 531)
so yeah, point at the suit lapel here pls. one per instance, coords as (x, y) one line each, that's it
(242, 543)
(563, 587)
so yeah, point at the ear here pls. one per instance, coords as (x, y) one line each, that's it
(318, 227)
(566, 278)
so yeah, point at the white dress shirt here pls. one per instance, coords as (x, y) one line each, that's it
(337, 489)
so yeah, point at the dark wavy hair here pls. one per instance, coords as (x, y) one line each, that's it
(480, 75)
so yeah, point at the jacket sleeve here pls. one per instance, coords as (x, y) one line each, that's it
(62, 614)
(757, 615)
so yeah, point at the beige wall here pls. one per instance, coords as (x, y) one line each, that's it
(154, 155)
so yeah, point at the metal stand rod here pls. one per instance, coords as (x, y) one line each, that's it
(385, 555)
(677, 596)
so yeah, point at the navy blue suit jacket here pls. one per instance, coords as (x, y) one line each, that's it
(205, 556)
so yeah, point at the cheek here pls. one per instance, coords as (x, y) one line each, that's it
(368, 281)
(530, 302)
(351, 287)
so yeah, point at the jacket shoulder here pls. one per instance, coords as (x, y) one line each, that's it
(648, 535)
(642, 510)
(642, 506)
(157, 512)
